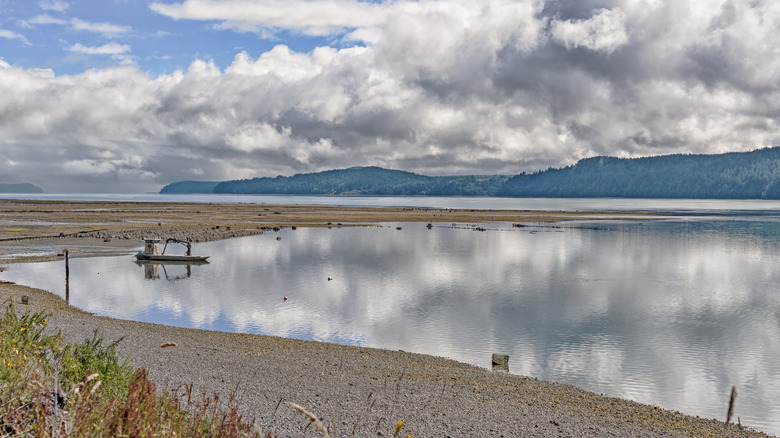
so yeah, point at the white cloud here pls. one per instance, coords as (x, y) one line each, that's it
(105, 49)
(259, 137)
(45, 19)
(604, 31)
(307, 16)
(106, 29)
(53, 5)
(102, 28)
(11, 35)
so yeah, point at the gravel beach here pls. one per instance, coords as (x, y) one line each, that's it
(363, 390)
(356, 391)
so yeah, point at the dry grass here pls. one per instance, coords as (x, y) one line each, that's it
(52, 388)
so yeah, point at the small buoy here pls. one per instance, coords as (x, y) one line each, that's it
(285, 297)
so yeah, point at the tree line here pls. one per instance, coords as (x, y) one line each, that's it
(20, 188)
(747, 175)
(743, 175)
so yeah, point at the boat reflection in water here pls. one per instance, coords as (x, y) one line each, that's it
(152, 269)
(152, 252)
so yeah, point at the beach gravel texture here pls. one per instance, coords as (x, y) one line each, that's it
(363, 391)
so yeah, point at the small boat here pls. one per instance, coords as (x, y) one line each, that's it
(151, 252)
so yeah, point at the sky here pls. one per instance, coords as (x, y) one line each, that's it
(125, 96)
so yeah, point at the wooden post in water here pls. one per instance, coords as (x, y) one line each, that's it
(67, 278)
(732, 399)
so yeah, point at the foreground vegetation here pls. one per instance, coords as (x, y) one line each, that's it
(52, 388)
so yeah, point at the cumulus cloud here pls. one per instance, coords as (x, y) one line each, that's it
(442, 87)
(604, 31)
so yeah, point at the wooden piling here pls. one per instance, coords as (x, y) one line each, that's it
(67, 278)
(732, 400)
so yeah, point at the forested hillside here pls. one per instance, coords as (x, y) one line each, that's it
(747, 175)
(366, 181)
(190, 187)
(20, 188)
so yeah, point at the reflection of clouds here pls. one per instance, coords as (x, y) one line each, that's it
(102, 286)
(601, 360)
(646, 312)
(48, 276)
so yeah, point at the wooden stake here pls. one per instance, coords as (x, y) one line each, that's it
(67, 278)
(732, 399)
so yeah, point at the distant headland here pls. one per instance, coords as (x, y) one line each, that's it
(737, 175)
(20, 188)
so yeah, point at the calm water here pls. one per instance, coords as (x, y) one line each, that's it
(567, 204)
(666, 312)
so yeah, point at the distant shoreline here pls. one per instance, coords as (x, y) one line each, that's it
(619, 205)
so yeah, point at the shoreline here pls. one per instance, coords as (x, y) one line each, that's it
(353, 388)
(360, 388)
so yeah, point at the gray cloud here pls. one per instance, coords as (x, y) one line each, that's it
(442, 87)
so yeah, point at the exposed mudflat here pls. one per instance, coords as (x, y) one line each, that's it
(107, 222)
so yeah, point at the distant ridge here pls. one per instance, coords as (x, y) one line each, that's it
(20, 188)
(189, 187)
(738, 175)
(366, 181)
